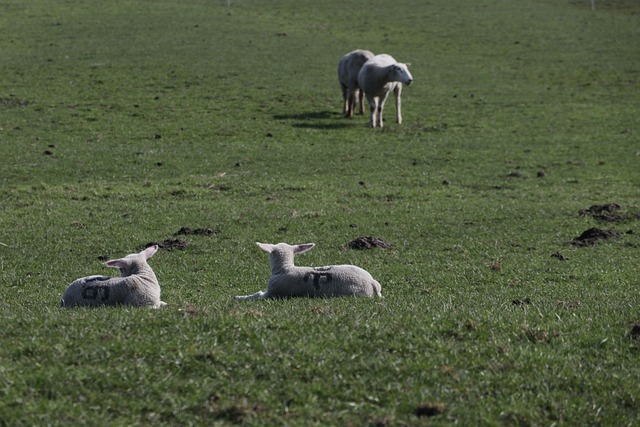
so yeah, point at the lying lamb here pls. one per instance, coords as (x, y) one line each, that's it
(377, 78)
(288, 280)
(348, 69)
(137, 286)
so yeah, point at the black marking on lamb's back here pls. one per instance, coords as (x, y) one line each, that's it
(98, 279)
(317, 275)
(93, 292)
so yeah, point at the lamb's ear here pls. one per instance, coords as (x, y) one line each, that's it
(268, 248)
(408, 64)
(298, 249)
(116, 263)
(148, 253)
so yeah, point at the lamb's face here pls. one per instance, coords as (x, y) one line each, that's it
(401, 74)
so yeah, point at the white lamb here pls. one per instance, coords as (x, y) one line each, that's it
(377, 78)
(348, 69)
(137, 286)
(288, 280)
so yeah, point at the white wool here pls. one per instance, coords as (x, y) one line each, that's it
(348, 69)
(379, 76)
(137, 286)
(287, 280)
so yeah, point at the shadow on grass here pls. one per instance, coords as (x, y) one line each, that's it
(316, 120)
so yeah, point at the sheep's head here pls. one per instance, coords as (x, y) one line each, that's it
(281, 255)
(400, 73)
(131, 263)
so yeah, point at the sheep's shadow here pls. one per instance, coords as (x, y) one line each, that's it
(311, 115)
(314, 119)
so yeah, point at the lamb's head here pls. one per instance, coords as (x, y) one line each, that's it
(400, 73)
(132, 263)
(281, 255)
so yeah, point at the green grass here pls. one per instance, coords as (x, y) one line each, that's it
(123, 121)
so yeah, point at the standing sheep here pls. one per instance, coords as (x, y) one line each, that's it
(288, 280)
(377, 78)
(348, 69)
(137, 286)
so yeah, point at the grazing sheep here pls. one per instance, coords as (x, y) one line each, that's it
(137, 286)
(288, 280)
(348, 69)
(377, 78)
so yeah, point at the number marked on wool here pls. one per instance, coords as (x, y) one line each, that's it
(318, 275)
(94, 292)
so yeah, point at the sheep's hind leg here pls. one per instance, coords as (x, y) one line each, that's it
(351, 103)
(361, 99)
(345, 100)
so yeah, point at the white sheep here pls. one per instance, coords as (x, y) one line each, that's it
(137, 286)
(288, 280)
(348, 69)
(377, 78)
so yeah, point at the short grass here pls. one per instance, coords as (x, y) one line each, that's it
(123, 121)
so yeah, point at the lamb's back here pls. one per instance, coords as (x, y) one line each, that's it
(94, 291)
(334, 280)
(350, 66)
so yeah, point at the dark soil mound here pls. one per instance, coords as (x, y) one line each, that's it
(559, 256)
(169, 244)
(634, 330)
(12, 102)
(608, 212)
(430, 409)
(368, 242)
(198, 231)
(593, 235)
(514, 175)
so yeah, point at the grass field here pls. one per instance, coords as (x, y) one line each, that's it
(123, 121)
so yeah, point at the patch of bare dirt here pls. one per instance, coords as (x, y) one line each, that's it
(237, 414)
(634, 330)
(513, 175)
(495, 266)
(191, 310)
(609, 212)
(593, 235)
(196, 231)
(13, 102)
(559, 256)
(430, 409)
(368, 242)
(169, 244)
